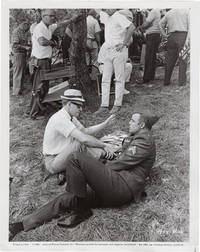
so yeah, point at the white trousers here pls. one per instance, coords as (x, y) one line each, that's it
(114, 63)
(128, 71)
(57, 163)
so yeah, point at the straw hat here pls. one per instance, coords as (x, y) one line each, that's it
(73, 95)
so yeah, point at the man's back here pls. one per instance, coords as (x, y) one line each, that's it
(92, 27)
(177, 20)
(57, 132)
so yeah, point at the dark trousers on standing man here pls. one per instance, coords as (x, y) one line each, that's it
(108, 189)
(152, 43)
(175, 43)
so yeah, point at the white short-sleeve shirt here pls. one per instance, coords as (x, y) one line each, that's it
(153, 18)
(92, 27)
(115, 27)
(41, 30)
(57, 132)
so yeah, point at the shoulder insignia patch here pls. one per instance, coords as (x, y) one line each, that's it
(132, 149)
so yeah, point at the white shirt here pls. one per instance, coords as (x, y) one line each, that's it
(57, 132)
(32, 27)
(176, 20)
(153, 18)
(115, 28)
(92, 27)
(41, 30)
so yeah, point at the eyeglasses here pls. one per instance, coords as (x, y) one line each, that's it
(78, 105)
(49, 15)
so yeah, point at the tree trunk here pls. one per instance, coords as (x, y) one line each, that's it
(77, 51)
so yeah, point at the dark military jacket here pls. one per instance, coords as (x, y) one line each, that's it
(135, 161)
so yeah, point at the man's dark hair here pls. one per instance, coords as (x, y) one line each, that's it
(148, 119)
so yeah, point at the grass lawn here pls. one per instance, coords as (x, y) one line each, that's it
(164, 214)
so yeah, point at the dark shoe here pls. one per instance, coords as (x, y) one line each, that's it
(74, 219)
(15, 228)
(101, 110)
(115, 109)
(167, 84)
(182, 84)
(146, 81)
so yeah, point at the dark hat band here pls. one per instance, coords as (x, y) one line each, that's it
(73, 96)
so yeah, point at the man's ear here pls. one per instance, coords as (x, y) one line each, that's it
(142, 125)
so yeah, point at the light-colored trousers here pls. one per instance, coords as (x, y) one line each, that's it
(19, 64)
(114, 62)
(128, 70)
(57, 163)
(91, 53)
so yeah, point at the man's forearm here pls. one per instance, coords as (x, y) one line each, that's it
(97, 37)
(91, 141)
(129, 33)
(94, 129)
(144, 26)
(45, 42)
(67, 22)
(162, 30)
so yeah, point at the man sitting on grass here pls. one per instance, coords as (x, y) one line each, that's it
(110, 185)
(64, 134)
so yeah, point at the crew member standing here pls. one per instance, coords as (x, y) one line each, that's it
(151, 25)
(177, 22)
(118, 31)
(93, 38)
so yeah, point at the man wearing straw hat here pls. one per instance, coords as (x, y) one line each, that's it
(113, 184)
(64, 134)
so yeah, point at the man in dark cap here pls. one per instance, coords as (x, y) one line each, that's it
(110, 185)
(19, 49)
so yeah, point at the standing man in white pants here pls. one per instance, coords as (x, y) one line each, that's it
(118, 31)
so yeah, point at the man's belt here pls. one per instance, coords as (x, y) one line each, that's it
(179, 32)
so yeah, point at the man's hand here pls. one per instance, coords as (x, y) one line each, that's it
(110, 120)
(187, 43)
(109, 152)
(119, 47)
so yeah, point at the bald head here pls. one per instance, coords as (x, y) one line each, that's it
(48, 16)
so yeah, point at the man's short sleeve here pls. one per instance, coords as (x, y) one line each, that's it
(77, 123)
(66, 127)
(38, 32)
(122, 20)
(103, 17)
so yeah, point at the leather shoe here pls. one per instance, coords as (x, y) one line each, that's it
(14, 228)
(75, 218)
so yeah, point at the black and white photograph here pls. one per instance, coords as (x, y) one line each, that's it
(99, 104)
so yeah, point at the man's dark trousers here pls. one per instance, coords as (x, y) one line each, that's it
(175, 43)
(44, 64)
(152, 43)
(108, 189)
